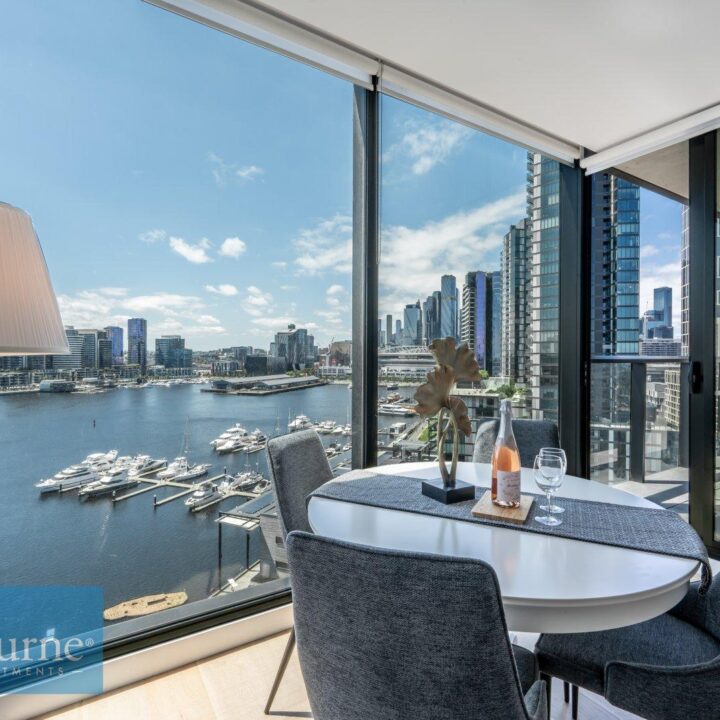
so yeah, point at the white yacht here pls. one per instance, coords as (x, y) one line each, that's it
(245, 481)
(55, 484)
(262, 486)
(192, 472)
(109, 483)
(392, 409)
(301, 422)
(326, 427)
(176, 467)
(236, 431)
(254, 447)
(232, 445)
(144, 464)
(203, 496)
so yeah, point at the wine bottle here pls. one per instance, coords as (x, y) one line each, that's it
(506, 462)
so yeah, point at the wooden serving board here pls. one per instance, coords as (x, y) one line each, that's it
(486, 508)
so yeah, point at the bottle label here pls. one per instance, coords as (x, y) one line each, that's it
(508, 486)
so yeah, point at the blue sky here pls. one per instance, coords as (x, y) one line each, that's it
(185, 176)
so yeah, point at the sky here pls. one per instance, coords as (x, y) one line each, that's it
(182, 175)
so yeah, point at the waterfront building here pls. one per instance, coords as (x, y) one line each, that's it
(514, 317)
(295, 347)
(264, 365)
(449, 307)
(97, 349)
(412, 322)
(137, 342)
(409, 363)
(115, 335)
(72, 361)
(170, 352)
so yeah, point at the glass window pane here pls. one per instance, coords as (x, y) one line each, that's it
(193, 195)
(639, 306)
(470, 236)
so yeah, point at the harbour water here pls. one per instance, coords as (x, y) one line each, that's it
(130, 548)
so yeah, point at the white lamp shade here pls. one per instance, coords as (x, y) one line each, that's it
(30, 322)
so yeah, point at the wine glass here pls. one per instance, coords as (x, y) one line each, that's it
(548, 472)
(559, 452)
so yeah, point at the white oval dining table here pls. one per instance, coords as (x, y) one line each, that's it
(548, 583)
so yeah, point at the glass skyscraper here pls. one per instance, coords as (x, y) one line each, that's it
(480, 325)
(115, 335)
(543, 294)
(137, 342)
(448, 307)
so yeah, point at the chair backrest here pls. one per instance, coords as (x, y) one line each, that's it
(703, 611)
(385, 634)
(530, 435)
(298, 465)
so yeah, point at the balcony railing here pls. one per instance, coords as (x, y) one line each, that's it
(638, 422)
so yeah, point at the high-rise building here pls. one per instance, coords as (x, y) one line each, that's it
(170, 351)
(115, 335)
(543, 294)
(97, 349)
(137, 342)
(480, 318)
(295, 346)
(398, 332)
(431, 318)
(412, 323)
(388, 330)
(72, 361)
(514, 316)
(449, 307)
(615, 289)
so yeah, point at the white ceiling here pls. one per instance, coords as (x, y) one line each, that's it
(591, 73)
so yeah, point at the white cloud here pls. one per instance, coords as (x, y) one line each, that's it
(232, 247)
(257, 302)
(333, 317)
(648, 250)
(413, 259)
(226, 289)
(153, 236)
(424, 145)
(335, 290)
(287, 288)
(326, 247)
(208, 320)
(113, 291)
(196, 254)
(248, 172)
(167, 303)
(280, 264)
(223, 171)
(334, 297)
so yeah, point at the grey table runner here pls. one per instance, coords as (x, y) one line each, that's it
(647, 529)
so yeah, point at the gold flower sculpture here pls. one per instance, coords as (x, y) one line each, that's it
(433, 397)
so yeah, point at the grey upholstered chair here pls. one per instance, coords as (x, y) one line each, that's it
(396, 635)
(531, 435)
(667, 668)
(298, 465)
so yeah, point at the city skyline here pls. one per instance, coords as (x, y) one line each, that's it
(192, 239)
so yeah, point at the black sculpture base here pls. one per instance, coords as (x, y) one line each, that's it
(448, 494)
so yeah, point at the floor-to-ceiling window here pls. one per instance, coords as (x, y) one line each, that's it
(470, 250)
(639, 329)
(193, 196)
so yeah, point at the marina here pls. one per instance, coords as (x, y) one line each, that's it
(145, 540)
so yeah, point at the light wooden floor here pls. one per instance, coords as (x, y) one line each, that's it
(234, 686)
